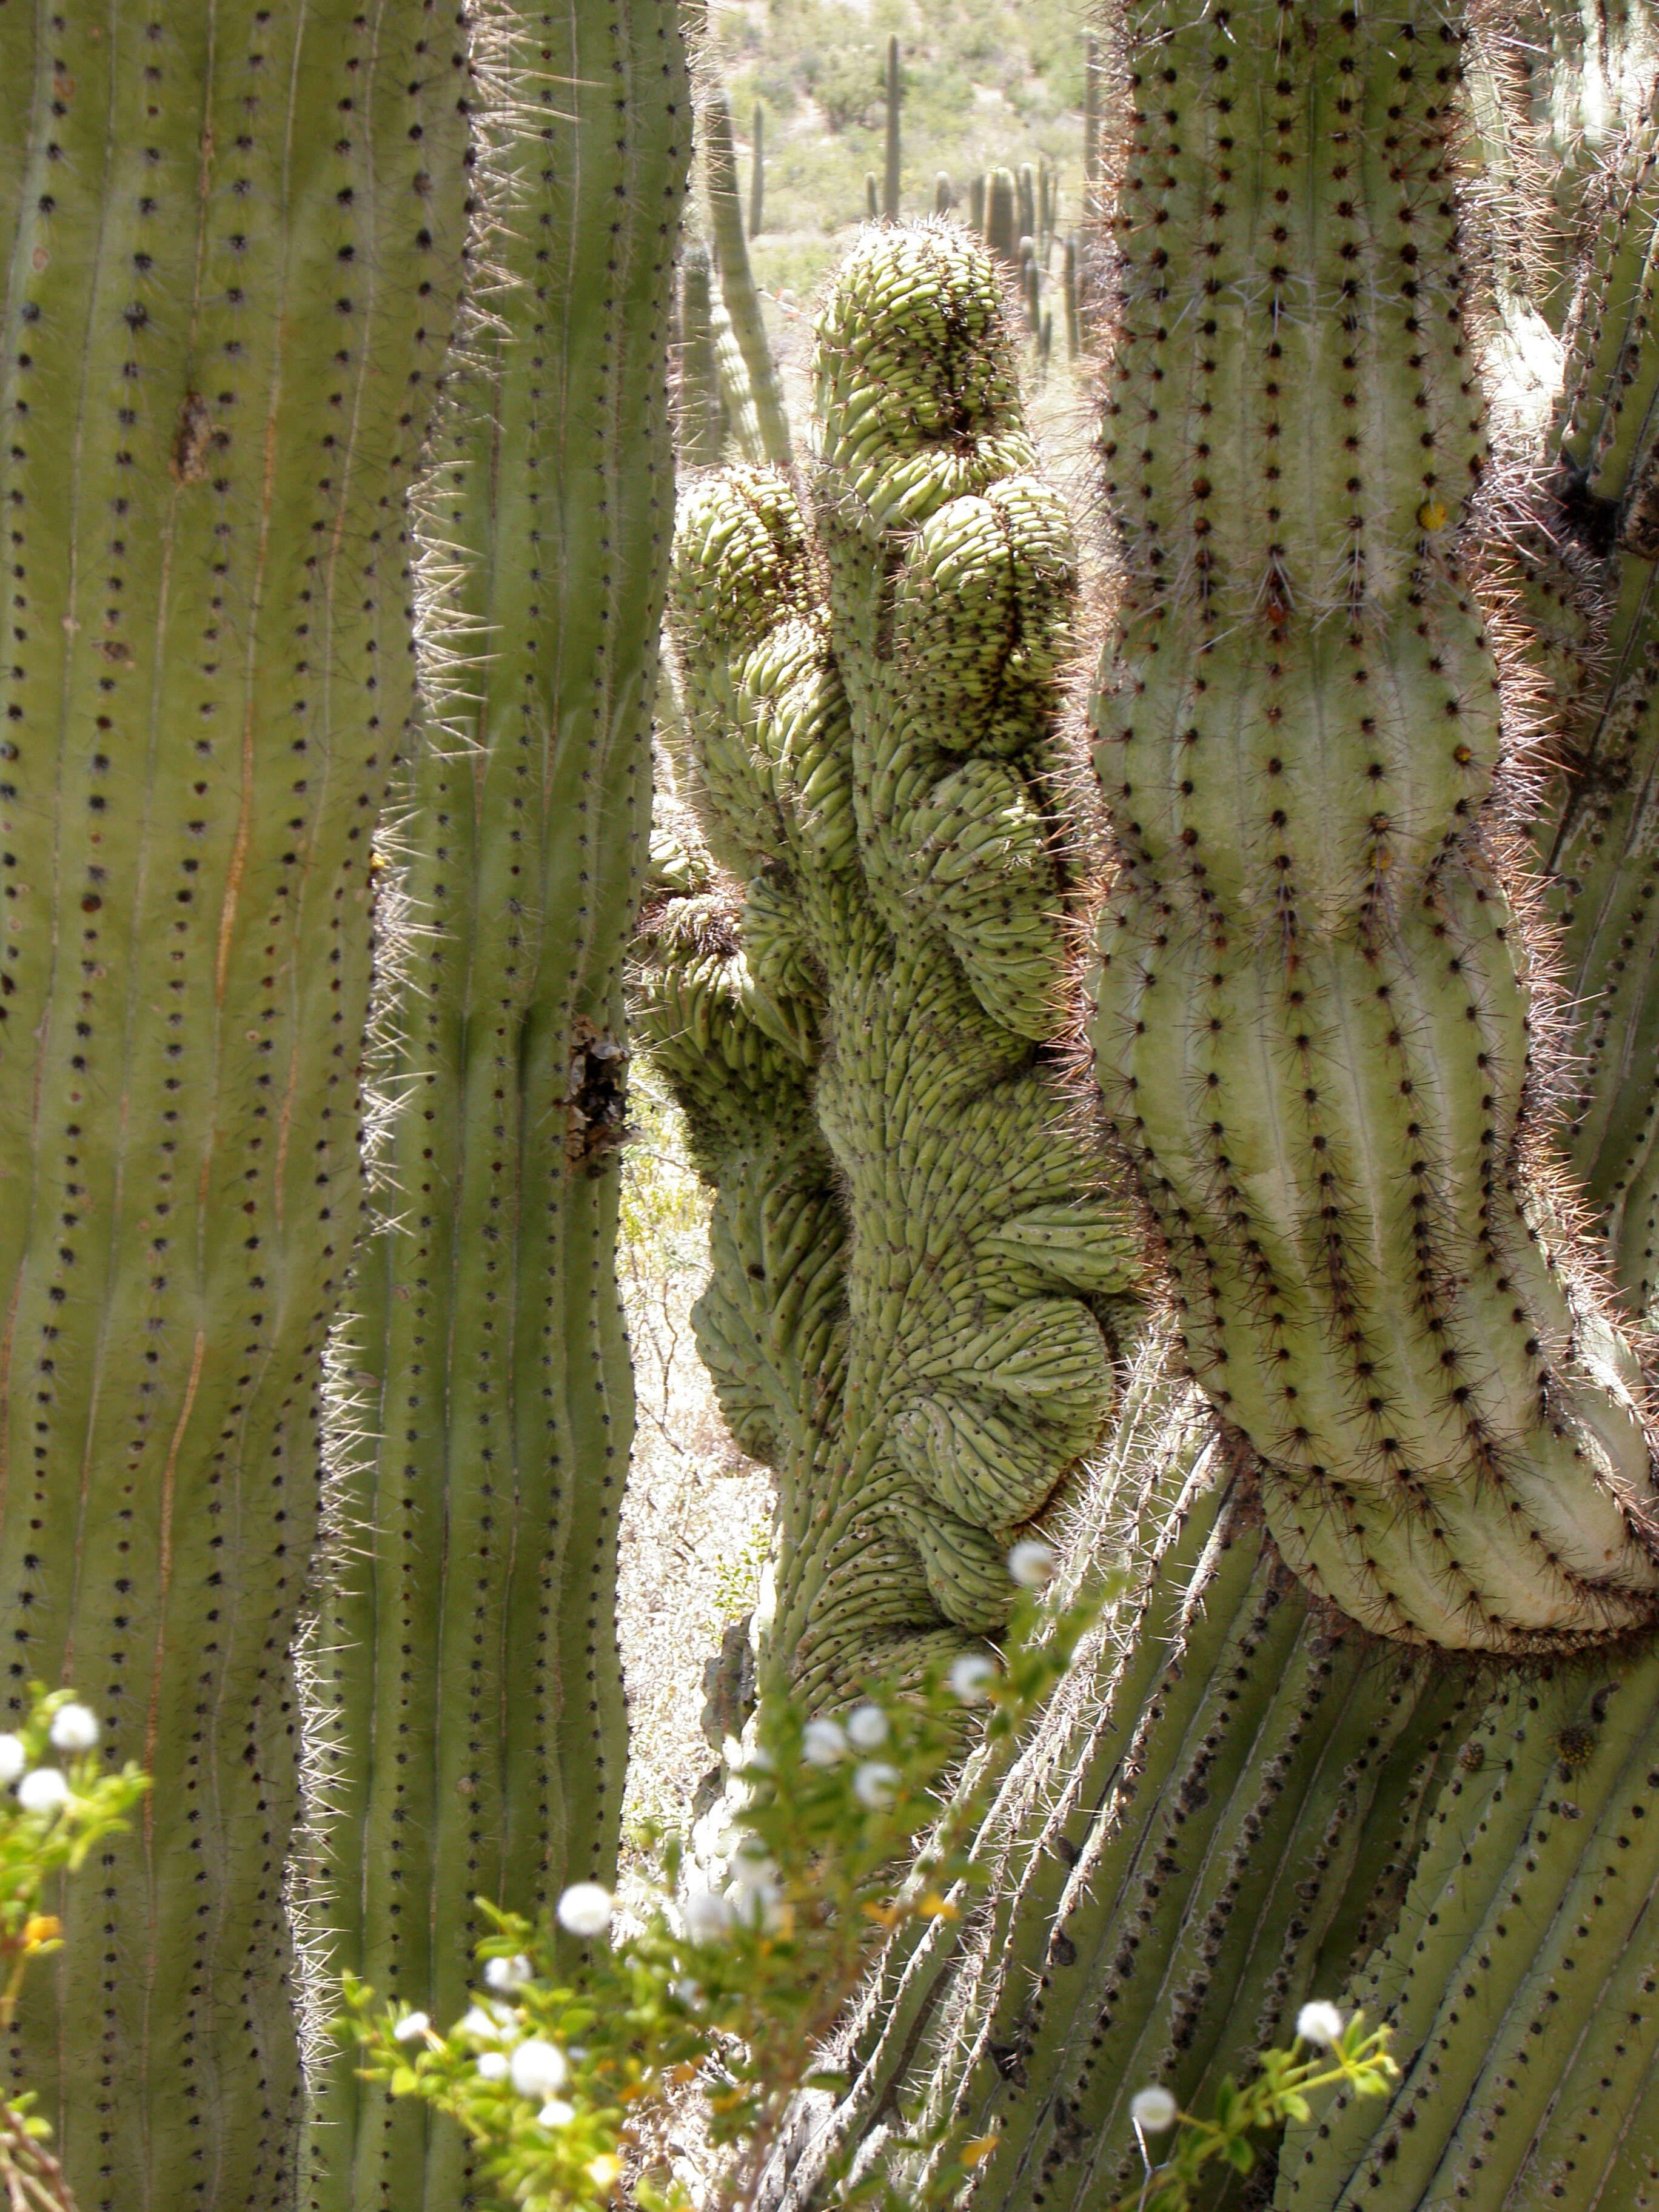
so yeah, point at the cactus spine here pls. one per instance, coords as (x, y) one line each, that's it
(1318, 1009)
(234, 261)
(884, 782)
(468, 1688)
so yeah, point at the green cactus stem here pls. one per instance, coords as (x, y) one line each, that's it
(1000, 199)
(1599, 545)
(467, 1699)
(1073, 327)
(233, 263)
(891, 170)
(977, 204)
(944, 198)
(758, 174)
(1319, 1017)
(739, 417)
(699, 391)
(738, 289)
(1025, 192)
(884, 783)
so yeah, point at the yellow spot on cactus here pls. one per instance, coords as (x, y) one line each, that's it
(1574, 1746)
(1431, 515)
(40, 1927)
(980, 2147)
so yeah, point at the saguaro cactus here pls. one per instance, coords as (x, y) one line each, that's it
(232, 265)
(879, 762)
(467, 1691)
(1318, 1016)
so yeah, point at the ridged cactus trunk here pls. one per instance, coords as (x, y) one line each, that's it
(868, 989)
(233, 257)
(1322, 1030)
(471, 1731)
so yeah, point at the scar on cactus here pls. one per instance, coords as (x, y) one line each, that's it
(597, 1101)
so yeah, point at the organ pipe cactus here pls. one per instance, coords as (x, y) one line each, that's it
(232, 263)
(872, 700)
(467, 1693)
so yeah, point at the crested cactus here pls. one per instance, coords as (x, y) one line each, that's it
(872, 707)
(467, 1693)
(234, 261)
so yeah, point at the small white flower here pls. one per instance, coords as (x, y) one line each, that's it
(75, 1727)
(411, 2027)
(752, 1865)
(688, 1991)
(756, 1903)
(508, 1974)
(823, 1743)
(555, 2113)
(972, 1675)
(1032, 1563)
(1319, 2022)
(539, 2068)
(492, 2065)
(13, 1758)
(866, 1726)
(874, 1782)
(478, 2023)
(43, 1792)
(585, 1909)
(706, 1917)
(1153, 2111)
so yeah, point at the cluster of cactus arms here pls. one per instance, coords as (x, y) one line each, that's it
(858, 986)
